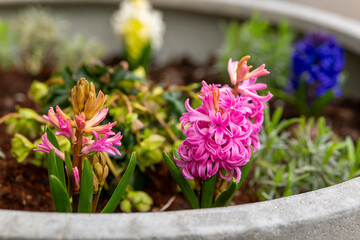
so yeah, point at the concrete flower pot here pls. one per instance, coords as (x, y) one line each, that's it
(330, 213)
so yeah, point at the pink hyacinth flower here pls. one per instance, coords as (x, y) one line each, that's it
(61, 122)
(218, 135)
(240, 71)
(46, 147)
(105, 144)
(222, 131)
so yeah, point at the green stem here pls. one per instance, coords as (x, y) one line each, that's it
(95, 201)
(75, 202)
(97, 198)
(207, 192)
(77, 161)
(220, 186)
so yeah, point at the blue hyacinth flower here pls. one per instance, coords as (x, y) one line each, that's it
(318, 60)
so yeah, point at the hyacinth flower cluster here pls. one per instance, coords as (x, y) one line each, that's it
(317, 64)
(223, 132)
(90, 144)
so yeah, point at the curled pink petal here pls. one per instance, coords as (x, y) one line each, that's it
(46, 147)
(104, 144)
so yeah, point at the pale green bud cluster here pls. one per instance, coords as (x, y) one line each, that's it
(100, 169)
(138, 200)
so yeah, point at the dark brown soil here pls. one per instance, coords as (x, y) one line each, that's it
(25, 186)
(22, 186)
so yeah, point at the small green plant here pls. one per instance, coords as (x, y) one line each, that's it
(77, 50)
(308, 157)
(40, 35)
(256, 37)
(138, 200)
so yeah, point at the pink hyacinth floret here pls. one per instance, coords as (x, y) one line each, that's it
(67, 128)
(104, 144)
(46, 147)
(221, 132)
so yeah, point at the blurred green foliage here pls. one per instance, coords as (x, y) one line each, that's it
(40, 35)
(299, 155)
(38, 40)
(7, 48)
(136, 200)
(76, 50)
(264, 43)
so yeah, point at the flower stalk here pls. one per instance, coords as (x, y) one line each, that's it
(222, 134)
(89, 140)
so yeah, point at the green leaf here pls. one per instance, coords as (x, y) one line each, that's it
(67, 76)
(184, 185)
(86, 189)
(52, 167)
(59, 195)
(246, 169)
(121, 187)
(21, 147)
(321, 102)
(52, 138)
(69, 166)
(61, 171)
(59, 162)
(207, 192)
(276, 117)
(226, 196)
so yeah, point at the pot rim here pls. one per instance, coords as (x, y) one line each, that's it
(336, 209)
(302, 17)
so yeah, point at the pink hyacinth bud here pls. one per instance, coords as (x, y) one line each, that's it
(76, 175)
(46, 147)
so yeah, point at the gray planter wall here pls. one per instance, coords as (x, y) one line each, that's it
(330, 213)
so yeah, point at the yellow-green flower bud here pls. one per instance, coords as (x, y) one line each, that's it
(103, 158)
(95, 183)
(104, 176)
(98, 170)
